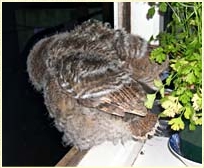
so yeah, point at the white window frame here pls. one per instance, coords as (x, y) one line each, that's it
(140, 25)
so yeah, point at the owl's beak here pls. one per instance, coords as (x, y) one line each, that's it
(164, 75)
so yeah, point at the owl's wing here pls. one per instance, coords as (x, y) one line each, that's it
(100, 83)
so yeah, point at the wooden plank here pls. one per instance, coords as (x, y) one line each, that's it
(122, 15)
(72, 158)
(126, 16)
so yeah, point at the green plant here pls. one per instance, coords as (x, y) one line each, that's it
(182, 42)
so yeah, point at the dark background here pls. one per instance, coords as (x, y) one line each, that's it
(29, 136)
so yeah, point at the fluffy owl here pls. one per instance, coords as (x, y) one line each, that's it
(94, 82)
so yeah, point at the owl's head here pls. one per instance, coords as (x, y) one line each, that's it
(146, 71)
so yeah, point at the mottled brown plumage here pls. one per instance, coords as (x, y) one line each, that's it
(92, 79)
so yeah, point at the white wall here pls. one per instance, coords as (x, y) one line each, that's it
(139, 23)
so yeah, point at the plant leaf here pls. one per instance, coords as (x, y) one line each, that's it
(187, 112)
(150, 100)
(162, 7)
(190, 78)
(171, 106)
(192, 126)
(198, 121)
(151, 12)
(158, 55)
(168, 80)
(161, 91)
(158, 83)
(177, 124)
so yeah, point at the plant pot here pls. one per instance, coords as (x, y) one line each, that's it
(187, 146)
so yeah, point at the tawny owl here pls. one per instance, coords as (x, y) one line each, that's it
(93, 81)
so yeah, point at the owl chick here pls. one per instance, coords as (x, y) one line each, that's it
(93, 79)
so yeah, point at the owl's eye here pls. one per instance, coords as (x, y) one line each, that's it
(107, 25)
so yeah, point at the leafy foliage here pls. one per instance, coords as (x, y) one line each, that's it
(183, 43)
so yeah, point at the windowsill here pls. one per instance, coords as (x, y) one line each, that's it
(108, 154)
(153, 152)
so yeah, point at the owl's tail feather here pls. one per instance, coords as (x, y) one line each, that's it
(145, 127)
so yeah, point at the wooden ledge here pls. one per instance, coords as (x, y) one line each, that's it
(72, 158)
